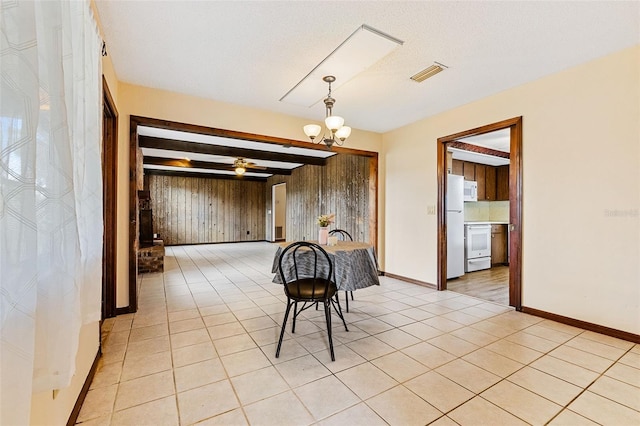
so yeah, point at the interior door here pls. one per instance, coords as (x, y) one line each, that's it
(279, 210)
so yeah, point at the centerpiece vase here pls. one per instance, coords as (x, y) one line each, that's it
(323, 234)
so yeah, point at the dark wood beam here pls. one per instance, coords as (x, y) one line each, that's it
(479, 149)
(203, 175)
(194, 164)
(234, 134)
(205, 148)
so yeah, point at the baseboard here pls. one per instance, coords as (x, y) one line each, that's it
(123, 310)
(73, 417)
(409, 280)
(219, 242)
(619, 334)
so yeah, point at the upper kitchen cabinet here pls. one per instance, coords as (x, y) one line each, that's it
(457, 168)
(502, 183)
(469, 170)
(490, 183)
(493, 182)
(480, 179)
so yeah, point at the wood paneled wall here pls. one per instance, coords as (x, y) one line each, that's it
(203, 210)
(340, 187)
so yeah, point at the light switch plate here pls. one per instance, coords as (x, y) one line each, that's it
(431, 210)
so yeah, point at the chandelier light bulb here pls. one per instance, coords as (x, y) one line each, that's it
(312, 130)
(240, 170)
(343, 132)
(334, 122)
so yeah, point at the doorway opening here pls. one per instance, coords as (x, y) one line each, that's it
(109, 201)
(279, 216)
(492, 189)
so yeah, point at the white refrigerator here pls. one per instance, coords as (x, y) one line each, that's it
(454, 205)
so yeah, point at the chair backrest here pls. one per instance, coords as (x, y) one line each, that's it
(302, 260)
(342, 234)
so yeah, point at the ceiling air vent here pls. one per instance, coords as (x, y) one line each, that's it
(428, 72)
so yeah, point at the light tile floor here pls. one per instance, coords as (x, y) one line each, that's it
(201, 350)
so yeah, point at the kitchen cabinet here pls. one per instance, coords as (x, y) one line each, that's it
(502, 183)
(493, 182)
(490, 184)
(480, 179)
(469, 170)
(499, 252)
(456, 167)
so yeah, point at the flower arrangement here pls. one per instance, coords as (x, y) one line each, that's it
(326, 219)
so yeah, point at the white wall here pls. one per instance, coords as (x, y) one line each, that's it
(581, 161)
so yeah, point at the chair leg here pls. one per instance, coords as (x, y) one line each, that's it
(346, 297)
(327, 315)
(284, 325)
(295, 315)
(339, 311)
(351, 295)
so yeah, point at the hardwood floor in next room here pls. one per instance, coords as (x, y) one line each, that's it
(490, 284)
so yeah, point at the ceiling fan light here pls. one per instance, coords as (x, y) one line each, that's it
(240, 171)
(312, 130)
(334, 122)
(343, 133)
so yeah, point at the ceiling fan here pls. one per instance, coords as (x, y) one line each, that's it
(241, 165)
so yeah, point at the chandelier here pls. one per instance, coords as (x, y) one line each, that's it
(337, 131)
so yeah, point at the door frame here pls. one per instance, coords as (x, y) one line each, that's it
(515, 204)
(110, 201)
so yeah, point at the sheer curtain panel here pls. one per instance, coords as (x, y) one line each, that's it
(50, 195)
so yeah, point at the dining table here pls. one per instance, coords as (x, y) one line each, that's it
(355, 264)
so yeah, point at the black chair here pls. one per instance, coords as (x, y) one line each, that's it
(344, 236)
(341, 234)
(304, 281)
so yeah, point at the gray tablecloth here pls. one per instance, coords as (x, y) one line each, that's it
(354, 264)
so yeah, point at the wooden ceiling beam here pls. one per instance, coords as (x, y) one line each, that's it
(203, 175)
(194, 164)
(479, 149)
(223, 133)
(205, 148)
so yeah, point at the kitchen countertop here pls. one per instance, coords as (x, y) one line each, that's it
(486, 222)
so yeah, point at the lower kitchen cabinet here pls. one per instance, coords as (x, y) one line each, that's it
(499, 251)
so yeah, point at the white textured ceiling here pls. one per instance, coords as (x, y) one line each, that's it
(251, 53)
(499, 140)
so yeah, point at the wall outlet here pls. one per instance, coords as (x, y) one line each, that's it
(431, 210)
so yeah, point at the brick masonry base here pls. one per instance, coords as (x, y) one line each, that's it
(151, 259)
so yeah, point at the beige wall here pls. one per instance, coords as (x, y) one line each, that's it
(49, 410)
(581, 161)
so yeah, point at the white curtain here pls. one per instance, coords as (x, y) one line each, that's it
(50, 195)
